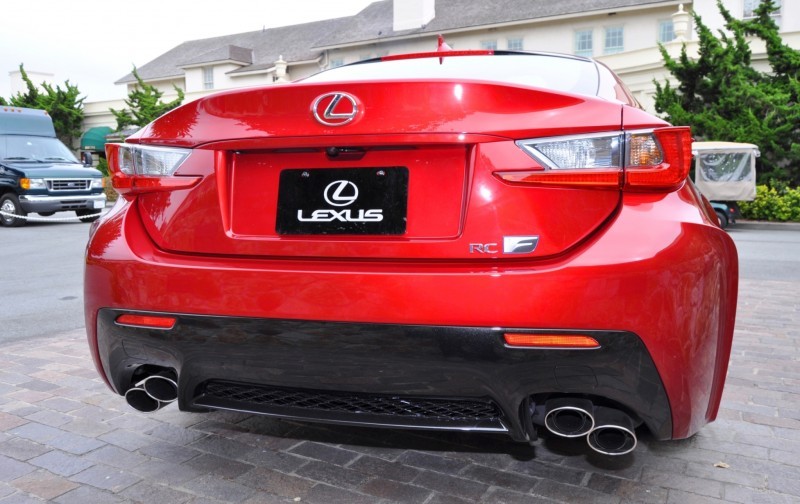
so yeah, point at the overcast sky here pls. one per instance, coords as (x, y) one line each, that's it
(96, 42)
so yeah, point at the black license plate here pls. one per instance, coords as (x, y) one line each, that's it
(357, 201)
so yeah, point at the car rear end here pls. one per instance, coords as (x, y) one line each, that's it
(412, 245)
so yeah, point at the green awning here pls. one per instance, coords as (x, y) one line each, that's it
(95, 139)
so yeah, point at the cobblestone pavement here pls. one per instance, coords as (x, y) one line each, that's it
(65, 438)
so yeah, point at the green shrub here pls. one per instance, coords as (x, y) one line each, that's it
(773, 204)
(102, 165)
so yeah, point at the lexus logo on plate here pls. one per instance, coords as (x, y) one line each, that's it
(335, 109)
(341, 193)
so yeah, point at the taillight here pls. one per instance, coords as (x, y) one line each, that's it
(656, 159)
(144, 168)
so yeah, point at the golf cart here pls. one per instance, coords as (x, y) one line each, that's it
(725, 172)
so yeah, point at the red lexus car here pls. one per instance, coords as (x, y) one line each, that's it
(460, 240)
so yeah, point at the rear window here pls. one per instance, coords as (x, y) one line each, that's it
(558, 73)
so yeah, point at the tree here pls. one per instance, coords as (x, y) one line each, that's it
(144, 104)
(723, 97)
(64, 106)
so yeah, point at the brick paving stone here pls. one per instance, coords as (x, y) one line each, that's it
(86, 494)
(323, 452)
(176, 435)
(326, 494)
(61, 463)
(277, 483)
(22, 449)
(451, 485)
(573, 494)
(220, 466)
(44, 484)
(222, 447)
(395, 491)
(332, 474)
(22, 498)
(504, 496)
(165, 473)
(11, 469)
(218, 488)
(106, 477)
(116, 457)
(169, 452)
(126, 439)
(8, 421)
(37, 432)
(384, 469)
(149, 492)
(503, 479)
(280, 461)
(75, 443)
(432, 461)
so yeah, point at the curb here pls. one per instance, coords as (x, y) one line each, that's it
(766, 225)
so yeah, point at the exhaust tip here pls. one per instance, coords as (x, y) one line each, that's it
(569, 418)
(614, 433)
(140, 400)
(161, 388)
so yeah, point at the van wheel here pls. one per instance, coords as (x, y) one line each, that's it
(13, 215)
(88, 215)
(723, 219)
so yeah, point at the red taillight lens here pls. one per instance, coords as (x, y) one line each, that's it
(140, 168)
(676, 146)
(146, 321)
(550, 340)
(636, 160)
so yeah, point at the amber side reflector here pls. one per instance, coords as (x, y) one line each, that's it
(551, 340)
(150, 321)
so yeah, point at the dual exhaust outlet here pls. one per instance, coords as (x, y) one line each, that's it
(153, 392)
(608, 431)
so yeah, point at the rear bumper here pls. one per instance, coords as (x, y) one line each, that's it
(455, 378)
(48, 203)
(664, 287)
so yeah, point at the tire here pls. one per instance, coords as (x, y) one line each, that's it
(723, 219)
(9, 204)
(46, 214)
(88, 215)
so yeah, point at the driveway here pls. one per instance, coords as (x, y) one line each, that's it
(65, 438)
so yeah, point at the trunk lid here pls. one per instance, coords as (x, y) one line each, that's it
(278, 182)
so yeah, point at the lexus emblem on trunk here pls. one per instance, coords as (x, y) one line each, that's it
(335, 109)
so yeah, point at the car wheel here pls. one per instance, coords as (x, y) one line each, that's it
(723, 219)
(13, 215)
(88, 215)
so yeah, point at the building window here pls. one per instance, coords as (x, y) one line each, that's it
(750, 7)
(515, 44)
(584, 45)
(208, 77)
(489, 45)
(614, 40)
(666, 31)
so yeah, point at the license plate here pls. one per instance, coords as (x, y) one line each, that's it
(357, 201)
(99, 204)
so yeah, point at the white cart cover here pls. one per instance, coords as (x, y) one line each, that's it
(725, 171)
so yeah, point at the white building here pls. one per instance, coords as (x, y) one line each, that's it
(624, 34)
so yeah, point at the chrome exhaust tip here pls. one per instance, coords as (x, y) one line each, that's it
(568, 417)
(140, 400)
(613, 433)
(160, 388)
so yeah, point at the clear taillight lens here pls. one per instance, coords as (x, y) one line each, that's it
(145, 168)
(570, 153)
(150, 161)
(635, 160)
